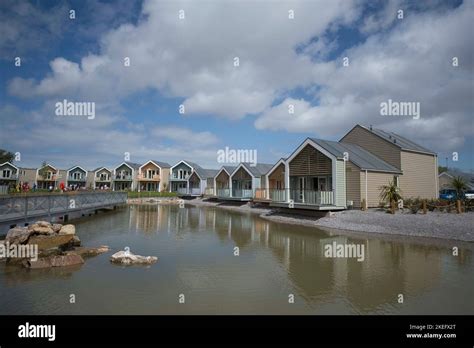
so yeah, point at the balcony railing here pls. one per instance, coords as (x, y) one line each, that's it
(223, 193)
(209, 191)
(123, 177)
(144, 177)
(175, 177)
(11, 177)
(50, 178)
(71, 178)
(102, 178)
(183, 190)
(237, 193)
(195, 191)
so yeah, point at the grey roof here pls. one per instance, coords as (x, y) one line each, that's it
(162, 164)
(468, 177)
(400, 141)
(259, 169)
(192, 164)
(133, 165)
(357, 155)
(205, 173)
(96, 169)
(76, 167)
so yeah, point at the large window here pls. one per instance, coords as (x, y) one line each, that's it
(6, 173)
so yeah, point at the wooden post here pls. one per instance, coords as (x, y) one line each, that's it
(458, 206)
(424, 206)
(392, 204)
(364, 204)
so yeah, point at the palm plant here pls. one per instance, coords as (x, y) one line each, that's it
(459, 184)
(390, 193)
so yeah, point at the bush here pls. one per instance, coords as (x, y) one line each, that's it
(135, 194)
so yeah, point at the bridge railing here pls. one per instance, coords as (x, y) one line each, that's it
(15, 207)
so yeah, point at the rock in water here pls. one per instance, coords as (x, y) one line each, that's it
(51, 241)
(76, 241)
(17, 235)
(40, 229)
(86, 252)
(43, 223)
(68, 229)
(55, 261)
(127, 258)
(57, 227)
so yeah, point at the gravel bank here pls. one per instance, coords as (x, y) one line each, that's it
(432, 225)
(449, 226)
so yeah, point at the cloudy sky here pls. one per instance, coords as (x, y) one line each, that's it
(190, 61)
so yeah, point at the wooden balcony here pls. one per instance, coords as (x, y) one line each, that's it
(144, 177)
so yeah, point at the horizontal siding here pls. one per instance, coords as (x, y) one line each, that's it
(353, 183)
(420, 175)
(277, 178)
(222, 180)
(241, 174)
(310, 162)
(374, 182)
(374, 144)
(444, 182)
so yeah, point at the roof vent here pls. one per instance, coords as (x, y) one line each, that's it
(390, 137)
(394, 141)
(370, 127)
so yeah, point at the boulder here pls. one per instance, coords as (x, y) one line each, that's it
(43, 223)
(76, 241)
(51, 241)
(88, 252)
(39, 229)
(127, 258)
(69, 259)
(18, 235)
(68, 229)
(57, 227)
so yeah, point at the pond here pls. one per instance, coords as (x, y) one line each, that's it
(217, 261)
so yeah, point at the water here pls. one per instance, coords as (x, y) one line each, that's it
(195, 247)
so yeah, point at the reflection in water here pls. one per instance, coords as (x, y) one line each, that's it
(195, 250)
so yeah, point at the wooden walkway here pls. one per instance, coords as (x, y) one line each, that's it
(25, 208)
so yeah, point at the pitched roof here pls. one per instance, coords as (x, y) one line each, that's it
(96, 169)
(205, 173)
(398, 140)
(162, 164)
(257, 170)
(357, 155)
(468, 177)
(133, 165)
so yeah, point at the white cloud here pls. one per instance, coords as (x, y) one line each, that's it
(193, 58)
(412, 62)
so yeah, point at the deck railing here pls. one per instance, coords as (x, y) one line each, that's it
(238, 193)
(195, 191)
(309, 197)
(223, 193)
(182, 190)
(209, 191)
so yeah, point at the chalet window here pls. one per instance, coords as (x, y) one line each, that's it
(396, 181)
(6, 173)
